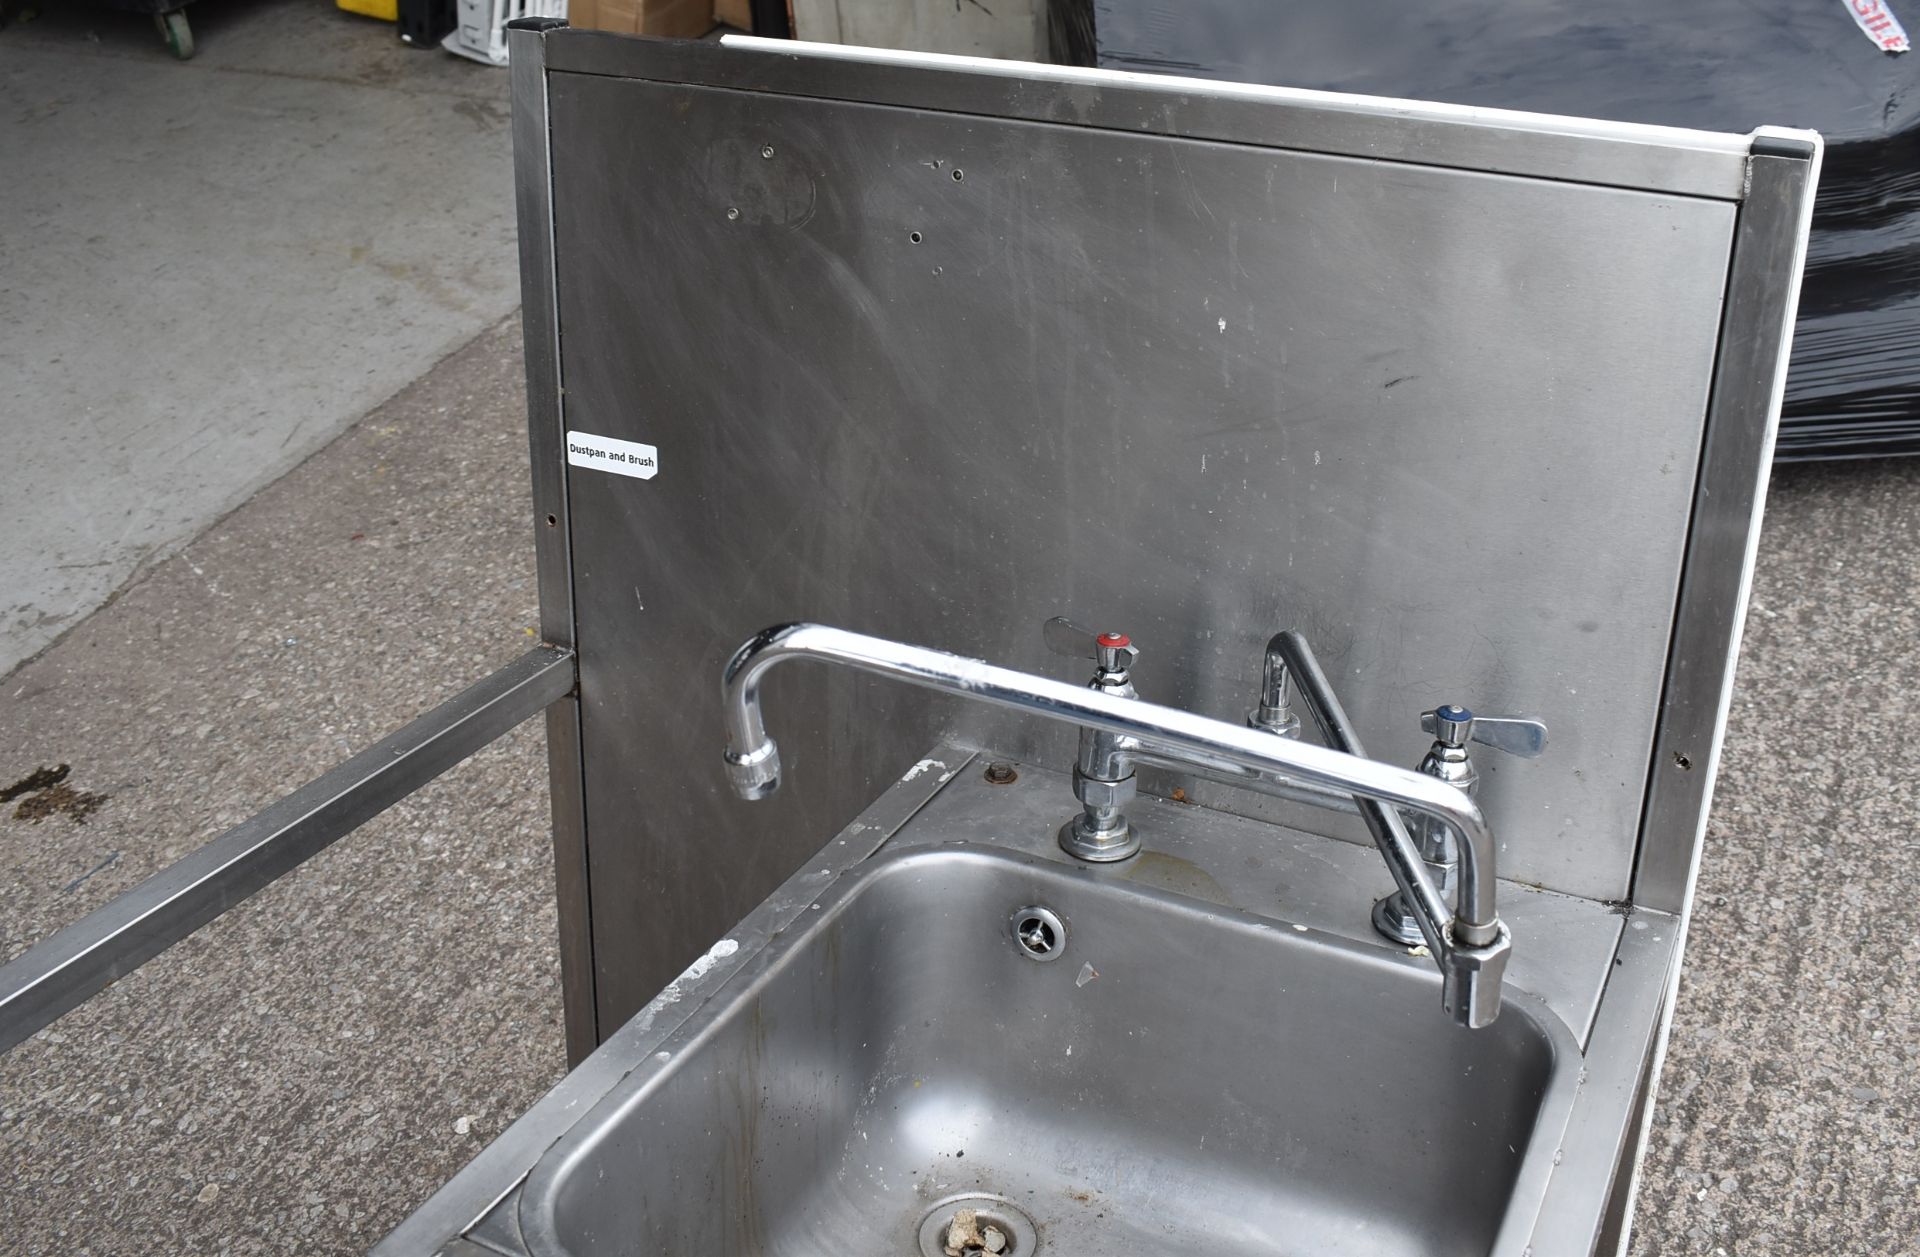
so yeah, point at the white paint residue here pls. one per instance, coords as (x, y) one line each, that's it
(698, 969)
(924, 766)
(1223, 325)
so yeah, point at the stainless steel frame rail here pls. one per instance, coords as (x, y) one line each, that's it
(71, 966)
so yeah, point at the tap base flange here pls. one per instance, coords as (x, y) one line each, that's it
(1393, 920)
(1083, 842)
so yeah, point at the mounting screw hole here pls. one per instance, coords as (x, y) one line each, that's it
(914, 236)
(552, 520)
(1681, 759)
(958, 174)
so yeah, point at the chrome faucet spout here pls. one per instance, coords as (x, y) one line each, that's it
(1271, 712)
(1472, 942)
(752, 758)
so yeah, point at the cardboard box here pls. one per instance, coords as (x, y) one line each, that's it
(735, 13)
(680, 19)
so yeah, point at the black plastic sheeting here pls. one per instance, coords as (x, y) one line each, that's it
(1853, 389)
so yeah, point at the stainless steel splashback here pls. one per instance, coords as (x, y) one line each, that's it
(936, 350)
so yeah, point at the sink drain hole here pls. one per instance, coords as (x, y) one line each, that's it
(977, 1226)
(1039, 933)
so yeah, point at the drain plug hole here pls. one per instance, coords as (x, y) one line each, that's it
(972, 1235)
(977, 1225)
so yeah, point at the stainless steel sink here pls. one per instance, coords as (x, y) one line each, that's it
(1246, 1066)
(1175, 1077)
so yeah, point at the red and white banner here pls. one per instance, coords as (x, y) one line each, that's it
(1881, 26)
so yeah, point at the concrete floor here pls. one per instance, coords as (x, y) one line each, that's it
(1789, 1118)
(300, 1073)
(153, 374)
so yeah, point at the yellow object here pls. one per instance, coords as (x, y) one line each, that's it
(385, 10)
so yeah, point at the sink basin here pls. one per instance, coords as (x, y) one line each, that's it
(1176, 1077)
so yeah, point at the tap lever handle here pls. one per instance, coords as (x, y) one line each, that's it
(1516, 735)
(1114, 652)
(1064, 637)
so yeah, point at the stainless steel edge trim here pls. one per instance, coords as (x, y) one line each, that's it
(1656, 159)
(1559, 124)
(1634, 1142)
(1601, 1126)
(533, 197)
(1743, 416)
(64, 970)
(1782, 191)
(1743, 419)
(467, 1248)
(553, 544)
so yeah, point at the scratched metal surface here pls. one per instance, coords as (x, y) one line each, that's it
(939, 377)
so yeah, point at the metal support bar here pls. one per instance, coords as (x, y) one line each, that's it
(63, 971)
(1769, 252)
(552, 520)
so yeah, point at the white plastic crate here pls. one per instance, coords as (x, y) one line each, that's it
(481, 32)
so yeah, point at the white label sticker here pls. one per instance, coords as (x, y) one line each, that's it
(605, 453)
(1881, 26)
